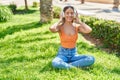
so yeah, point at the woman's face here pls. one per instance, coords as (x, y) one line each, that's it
(69, 15)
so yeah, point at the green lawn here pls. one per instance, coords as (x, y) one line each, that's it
(27, 49)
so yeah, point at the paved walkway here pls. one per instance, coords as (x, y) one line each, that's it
(18, 2)
(92, 9)
(98, 10)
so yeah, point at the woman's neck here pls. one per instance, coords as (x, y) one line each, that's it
(68, 23)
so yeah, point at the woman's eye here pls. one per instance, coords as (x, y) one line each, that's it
(68, 13)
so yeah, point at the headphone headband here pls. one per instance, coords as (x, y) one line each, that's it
(66, 7)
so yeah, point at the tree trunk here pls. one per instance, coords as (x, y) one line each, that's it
(116, 4)
(26, 6)
(82, 1)
(46, 12)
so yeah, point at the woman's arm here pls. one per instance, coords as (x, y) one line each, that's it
(55, 27)
(84, 28)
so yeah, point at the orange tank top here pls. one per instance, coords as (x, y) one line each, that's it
(68, 41)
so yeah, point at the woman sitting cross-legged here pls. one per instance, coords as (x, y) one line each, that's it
(68, 27)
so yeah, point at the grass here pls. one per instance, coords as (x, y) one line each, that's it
(28, 47)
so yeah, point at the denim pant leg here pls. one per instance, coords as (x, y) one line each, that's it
(82, 60)
(61, 62)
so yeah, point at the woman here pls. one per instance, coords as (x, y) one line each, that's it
(68, 27)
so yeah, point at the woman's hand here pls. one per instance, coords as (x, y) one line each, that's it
(56, 27)
(61, 17)
(84, 28)
(77, 20)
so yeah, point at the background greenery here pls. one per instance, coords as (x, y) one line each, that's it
(5, 13)
(105, 30)
(27, 48)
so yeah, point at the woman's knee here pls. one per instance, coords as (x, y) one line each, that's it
(55, 63)
(91, 60)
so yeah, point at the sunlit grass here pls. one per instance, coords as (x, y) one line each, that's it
(28, 47)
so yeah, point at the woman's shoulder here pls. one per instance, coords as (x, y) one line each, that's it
(60, 28)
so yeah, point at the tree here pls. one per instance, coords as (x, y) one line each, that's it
(82, 1)
(26, 6)
(116, 4)
(46, 13)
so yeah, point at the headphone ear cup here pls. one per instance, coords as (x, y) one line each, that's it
(74, 15)
(63, 14)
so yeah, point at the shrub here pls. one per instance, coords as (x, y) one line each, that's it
(5, 14)
(35, 4)
(13, 7)
(106, 30)
(56, 11)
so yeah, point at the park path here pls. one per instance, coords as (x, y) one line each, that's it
(98, 10)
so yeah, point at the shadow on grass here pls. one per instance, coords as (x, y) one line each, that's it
(99, 45)
(116, 70)
(35, 39)
(41, 56)
(25, 11)
(118, 54)
(22, 58)
(16, 28)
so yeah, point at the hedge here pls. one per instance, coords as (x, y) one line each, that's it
(106, 30)
(5, 13)
(56, 11)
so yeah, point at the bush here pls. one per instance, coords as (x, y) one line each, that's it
(12, 7)
(5, 14)
(56, 11)
(35, 4)
(106, 30)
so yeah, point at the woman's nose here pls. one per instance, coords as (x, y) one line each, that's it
(70, 14)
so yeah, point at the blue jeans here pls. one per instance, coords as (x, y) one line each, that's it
(67, 58)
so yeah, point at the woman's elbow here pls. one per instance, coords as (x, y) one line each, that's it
(52, 29)
(88, 31)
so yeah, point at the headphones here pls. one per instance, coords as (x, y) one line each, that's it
(63, 11)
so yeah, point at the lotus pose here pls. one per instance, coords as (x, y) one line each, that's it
(68, 27)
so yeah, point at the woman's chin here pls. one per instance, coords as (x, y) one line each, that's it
(69, 20)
